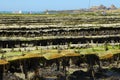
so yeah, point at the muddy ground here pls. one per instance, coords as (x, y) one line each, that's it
(73, 73)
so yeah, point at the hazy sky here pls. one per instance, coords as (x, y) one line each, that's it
(41, 5)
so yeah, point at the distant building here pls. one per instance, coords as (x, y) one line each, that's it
(30, 12)
(113, 7)
(47, 12)
(102, 7)
(94, 8)
(17, 12)
(103, 13)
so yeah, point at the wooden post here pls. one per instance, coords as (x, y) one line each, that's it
(93, 75)
(106, 46)
(65, 72)
(1, 72)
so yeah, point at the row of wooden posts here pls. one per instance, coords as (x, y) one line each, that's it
(47, 57)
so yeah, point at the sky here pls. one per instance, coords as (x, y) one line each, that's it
(42, 5)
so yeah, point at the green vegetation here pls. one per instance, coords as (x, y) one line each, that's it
(100, 51)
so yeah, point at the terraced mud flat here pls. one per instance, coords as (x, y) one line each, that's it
(37, 30)
(40, 44)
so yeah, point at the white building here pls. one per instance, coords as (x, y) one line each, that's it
(17, 12)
